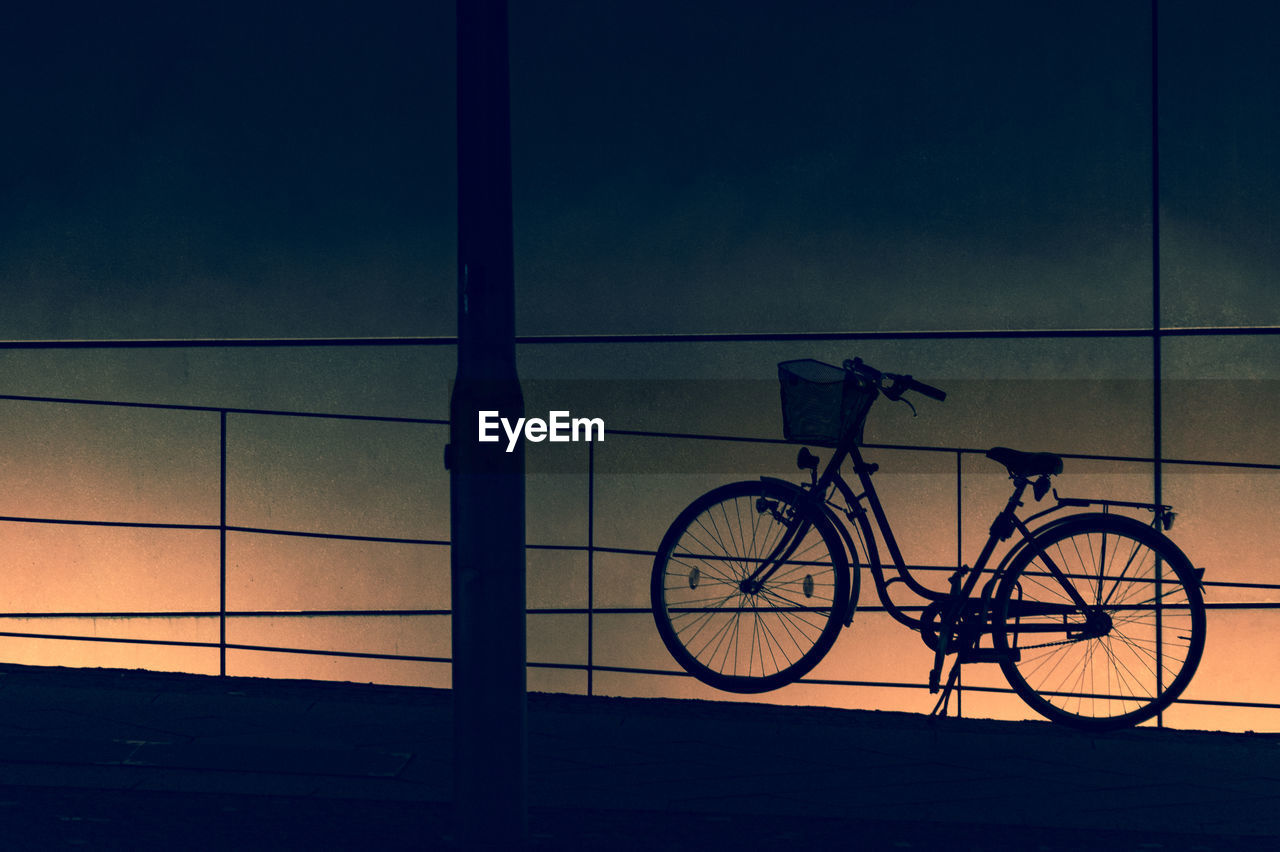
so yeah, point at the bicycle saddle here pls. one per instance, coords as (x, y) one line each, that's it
(1026, 465)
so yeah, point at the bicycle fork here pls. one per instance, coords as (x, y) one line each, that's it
(781, 552)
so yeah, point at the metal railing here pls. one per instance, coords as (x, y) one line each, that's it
(223, 613)
(590, 547)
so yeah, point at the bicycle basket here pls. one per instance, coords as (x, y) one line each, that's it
(822, 403)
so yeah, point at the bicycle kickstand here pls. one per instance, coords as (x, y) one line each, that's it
(947, 624)
(940, 709)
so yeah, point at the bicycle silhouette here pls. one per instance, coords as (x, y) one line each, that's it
(1096, 618)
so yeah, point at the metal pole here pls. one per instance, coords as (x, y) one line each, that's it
(486, 482)
(222, 543)
(959, 562)
(591, 566)
(1157, 400)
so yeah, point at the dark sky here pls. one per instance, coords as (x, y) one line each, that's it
(233, 169)
(215, 169)
(837, 166)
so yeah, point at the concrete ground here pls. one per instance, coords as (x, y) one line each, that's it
(104, 759)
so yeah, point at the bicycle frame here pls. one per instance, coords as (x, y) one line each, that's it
(964, 580)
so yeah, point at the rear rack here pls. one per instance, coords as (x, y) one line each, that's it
(1164, 515)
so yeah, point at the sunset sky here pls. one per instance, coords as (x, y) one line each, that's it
(230, 170)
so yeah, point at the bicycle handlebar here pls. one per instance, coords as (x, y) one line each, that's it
(894, 385)
(928, 390)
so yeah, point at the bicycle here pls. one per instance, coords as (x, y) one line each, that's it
(1096, 618)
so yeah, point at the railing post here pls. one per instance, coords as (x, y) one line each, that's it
(959, 562)
(591, 564)
(222, 543)
(1156, 325)
(959, 508)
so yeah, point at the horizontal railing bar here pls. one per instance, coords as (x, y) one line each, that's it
(669, 673)
(638, 610)
(919, 334)
(249, 613)
(1231, 584)
(1209, 463)
(599, 668)
(229, 343)
(975, 334)
(335, 613)
(18, 519)
(1225, 331)
(415, 613)
(675, 337)
(1215, 702)
(229, 646)
(365, 655)
(268, 412)
(338, 536)
(920, 448)
(10, 634)
(320, 415)
(632, 551)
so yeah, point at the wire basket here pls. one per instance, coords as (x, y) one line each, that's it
(822, 403)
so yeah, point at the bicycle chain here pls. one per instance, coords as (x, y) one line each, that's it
(1049, 644)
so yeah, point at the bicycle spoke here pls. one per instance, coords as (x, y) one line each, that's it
(795, 630)
(795, 615)
(1127, 679)
(1128, 564)
(716, 573)
(700, 625)
(734, 541)
(1102, 565)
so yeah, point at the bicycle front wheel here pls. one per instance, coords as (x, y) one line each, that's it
(1132, 647)
(750, 586)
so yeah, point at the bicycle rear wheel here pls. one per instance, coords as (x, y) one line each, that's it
(715, 624)
(1124, 656)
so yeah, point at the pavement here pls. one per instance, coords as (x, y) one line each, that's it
(109, 759)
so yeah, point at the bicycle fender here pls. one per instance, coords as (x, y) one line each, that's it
(1044, 528)
(804, 494)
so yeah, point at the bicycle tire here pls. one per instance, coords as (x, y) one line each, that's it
(1128, 665)
(720, 633)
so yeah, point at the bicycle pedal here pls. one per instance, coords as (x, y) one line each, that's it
(935, 678)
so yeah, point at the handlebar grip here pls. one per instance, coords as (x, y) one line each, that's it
(928, 390)
(898, 384)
